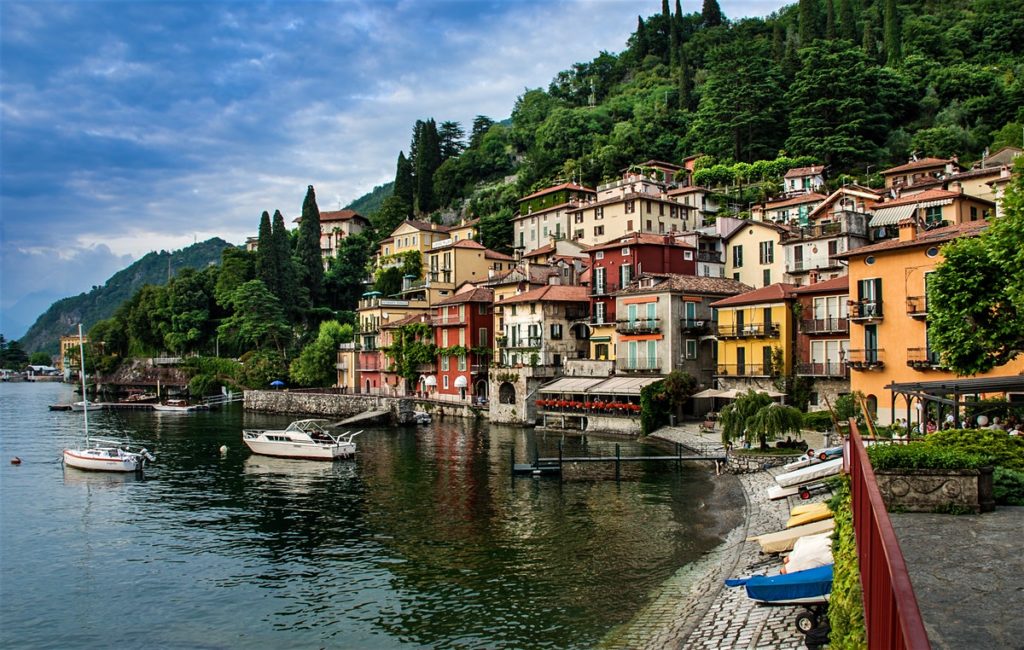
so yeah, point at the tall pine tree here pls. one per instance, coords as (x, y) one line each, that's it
(808, 14)
(893, 38)
(266, 255)
(451, 135)
(404, 187)
(830, 20)
(674, 35)
(428, 159)
(307, 249)
(284, 268)
(711, 14)
(847, 23)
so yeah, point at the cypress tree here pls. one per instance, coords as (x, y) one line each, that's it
(830, 20)
(284, 269)
(847, 23)
(808, 13)
(673, 33)
(868, 43)
(428, 159)
(711, 14)
(307, 249)
(893, 39)
(266, 255)
(778, 42)
(403, 179)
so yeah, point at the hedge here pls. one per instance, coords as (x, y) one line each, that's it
(846, 605)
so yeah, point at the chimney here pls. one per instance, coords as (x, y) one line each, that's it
(908, 228)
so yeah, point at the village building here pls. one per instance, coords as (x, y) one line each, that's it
(932, 208)
(464, 335)
(755, 337)
(917, 172)
(754, 253)
(793, 210)
(543, 215)
(803, 180)
(823, 339)
(701, 199)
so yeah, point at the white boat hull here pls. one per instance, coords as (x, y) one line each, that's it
(300, 450)
(80, 406)
(102, 460)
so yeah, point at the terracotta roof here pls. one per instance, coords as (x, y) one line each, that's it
(540, 251)
(495, 255)
(923, 163)
(424, 225)
(686, 284)
(654, 163)
(772, 293)
(870, 196)
(927, 195)
(341, 215)
(974, 173)
(926, 238)
(538, 275)
(638, 239)
(387, 239)
(810, 197)
(479, 294)
(556, 188)
(804, 171)
(629, 197)
(411, 318)
(552, 293)
(835, 285)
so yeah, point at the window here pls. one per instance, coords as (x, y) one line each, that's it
(691, 348)
(688, 255)
(661, 209)
(833, 247)
(766, 277)
(522, 237)
(974, 213)
(625, 251)
(599, 312)
(736, 276)
(556, 331)
(625, 275)
(557, 361)
(737, 257)
(462, 362)
(601, 351)
(599, 274)
(482, 307)
(462, 312)
(444, 338)
(578, 218)
(482, 337)
(630, 207)
(649, 228)
(599, 213)
(578, 234)
(513, 310)
(933, 214)
(445, 381)
(533, 308)
(598, 231)
(444, 364)
(869, 293)
(767, 252)
(545, 232)
(599, 255)
(629, 225)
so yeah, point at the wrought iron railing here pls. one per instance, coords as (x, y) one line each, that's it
(823, 369)
(824, 325)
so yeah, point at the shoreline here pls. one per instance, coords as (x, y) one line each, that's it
(693, 608)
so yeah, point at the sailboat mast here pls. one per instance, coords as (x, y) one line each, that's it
(85, 396)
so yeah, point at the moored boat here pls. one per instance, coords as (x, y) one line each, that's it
(85, 405)
(306, 439)
(177, 406)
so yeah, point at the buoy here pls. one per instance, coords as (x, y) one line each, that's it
(15, 461)
(223, 449)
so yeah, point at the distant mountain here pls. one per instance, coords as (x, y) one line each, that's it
(89, 308)
(369, 203)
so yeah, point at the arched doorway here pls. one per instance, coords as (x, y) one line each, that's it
(480, 389)
(507, 393)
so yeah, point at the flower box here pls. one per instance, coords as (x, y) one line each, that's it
(936, 490)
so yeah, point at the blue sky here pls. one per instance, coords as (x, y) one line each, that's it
(133, 126)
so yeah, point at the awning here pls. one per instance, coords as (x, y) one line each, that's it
(461, 382)
(707, 393)
(892, 216)
(623, 385)
(571, 385)
(600, 339)
(429, 380)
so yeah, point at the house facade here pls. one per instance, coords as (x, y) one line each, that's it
(823, 339)
(804, 180)
(754, 253)
(932, 208)
(335, 226)
(794, 210)
(919, 171)
(543, 215)
(464, 335)
(755, 337)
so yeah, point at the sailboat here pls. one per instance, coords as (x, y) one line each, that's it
(105, 455)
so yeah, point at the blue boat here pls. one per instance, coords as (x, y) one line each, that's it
(810, 587)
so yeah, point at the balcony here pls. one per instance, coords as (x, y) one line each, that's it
(917, 307)
(823, 369)
(865, 310)
(693, 326)
(604, 289)
(528, 342)
(866, 359)
(751, 330)
(742, 370)
(639, 326)
(368, 366)
(713, 258)
(641, 364)
(923, 359)
(824, 325)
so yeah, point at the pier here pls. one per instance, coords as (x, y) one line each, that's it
(554, 465)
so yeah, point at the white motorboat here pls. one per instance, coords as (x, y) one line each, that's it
(108, 455)
(422, 418)
(308, 439)
(86, 406)
(177, 406)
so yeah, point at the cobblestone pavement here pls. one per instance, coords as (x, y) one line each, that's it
(693, 608)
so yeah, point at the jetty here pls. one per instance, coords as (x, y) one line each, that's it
(555, 465)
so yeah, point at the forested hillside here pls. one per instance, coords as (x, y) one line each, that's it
(857, 84)
(99, 303)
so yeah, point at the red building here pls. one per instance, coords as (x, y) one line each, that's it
(823, 338)
(463, 332)
(615, 263)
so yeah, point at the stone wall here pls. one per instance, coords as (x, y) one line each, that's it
(750, 463)
(932, 490)
(319, 404)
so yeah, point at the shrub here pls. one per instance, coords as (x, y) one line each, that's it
(919, 455)
(1008, 487)
(998, 447)
(817, 420)
(846, 605)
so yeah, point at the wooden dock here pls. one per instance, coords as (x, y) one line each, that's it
(554, 465)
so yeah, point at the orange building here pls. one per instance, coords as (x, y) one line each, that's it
(888, 311)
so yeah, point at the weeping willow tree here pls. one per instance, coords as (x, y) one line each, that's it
(754, 416)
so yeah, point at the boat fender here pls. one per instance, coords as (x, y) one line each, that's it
(15, 461)
(223, 450)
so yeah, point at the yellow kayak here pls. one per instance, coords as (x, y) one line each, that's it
(808, 513)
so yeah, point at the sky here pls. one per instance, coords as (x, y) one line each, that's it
(133, 126)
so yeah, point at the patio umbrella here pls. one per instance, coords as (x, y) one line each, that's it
(277, 383)
(733, 393)
(707, 393)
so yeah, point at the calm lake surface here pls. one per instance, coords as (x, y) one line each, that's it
(423, 541)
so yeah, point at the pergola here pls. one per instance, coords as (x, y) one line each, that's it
(952, 393)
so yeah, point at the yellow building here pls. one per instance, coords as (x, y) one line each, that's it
(888, 314)
(449, 263)
(754, 253)
(754, 329)
(933, 207)
(69, 351)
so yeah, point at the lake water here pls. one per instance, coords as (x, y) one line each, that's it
(424, 540)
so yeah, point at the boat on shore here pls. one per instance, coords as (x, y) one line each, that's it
(305, 439)
(177, 406)
(107, 455)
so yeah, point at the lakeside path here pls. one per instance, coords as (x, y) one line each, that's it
(694, 609)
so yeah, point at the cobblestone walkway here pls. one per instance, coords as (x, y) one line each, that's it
(694, 609)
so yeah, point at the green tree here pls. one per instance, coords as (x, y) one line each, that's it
(267, 266)
(237, 266)
(39, 359)
(836, 114)
(189, 297)
(741, 104)
(347, 271)
(307, 249)
(735, 416)
(315, 364)
(262, 367)
(481, 125)
(425, 163)
(830, 20)
(847, 23)
(808, 13)
(772, 422)
(257, 318)
(287, 290)
(711, 14)
(976, 294)
(893, 37)
(496, 230)
(451, 135)
(404, 184)
(391, 214)
(529, 112)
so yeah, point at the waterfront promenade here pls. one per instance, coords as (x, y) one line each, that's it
(694, 609)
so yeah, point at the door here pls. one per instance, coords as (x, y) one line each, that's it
(741, 361)
(739, 322)
(871, 343)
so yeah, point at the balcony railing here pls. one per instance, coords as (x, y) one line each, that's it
(750, 330)
(604, 289)
(917, 307)
(824, 325)
(923, 359)
(528, 342)
(823, 369)
(640, 364)
(694, 326)
(368, 366)
(866, 310)
(714, 258)
(866, 359)
(743, 370)
(639, 326)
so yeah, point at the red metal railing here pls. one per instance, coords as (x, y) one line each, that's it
(891, 615)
